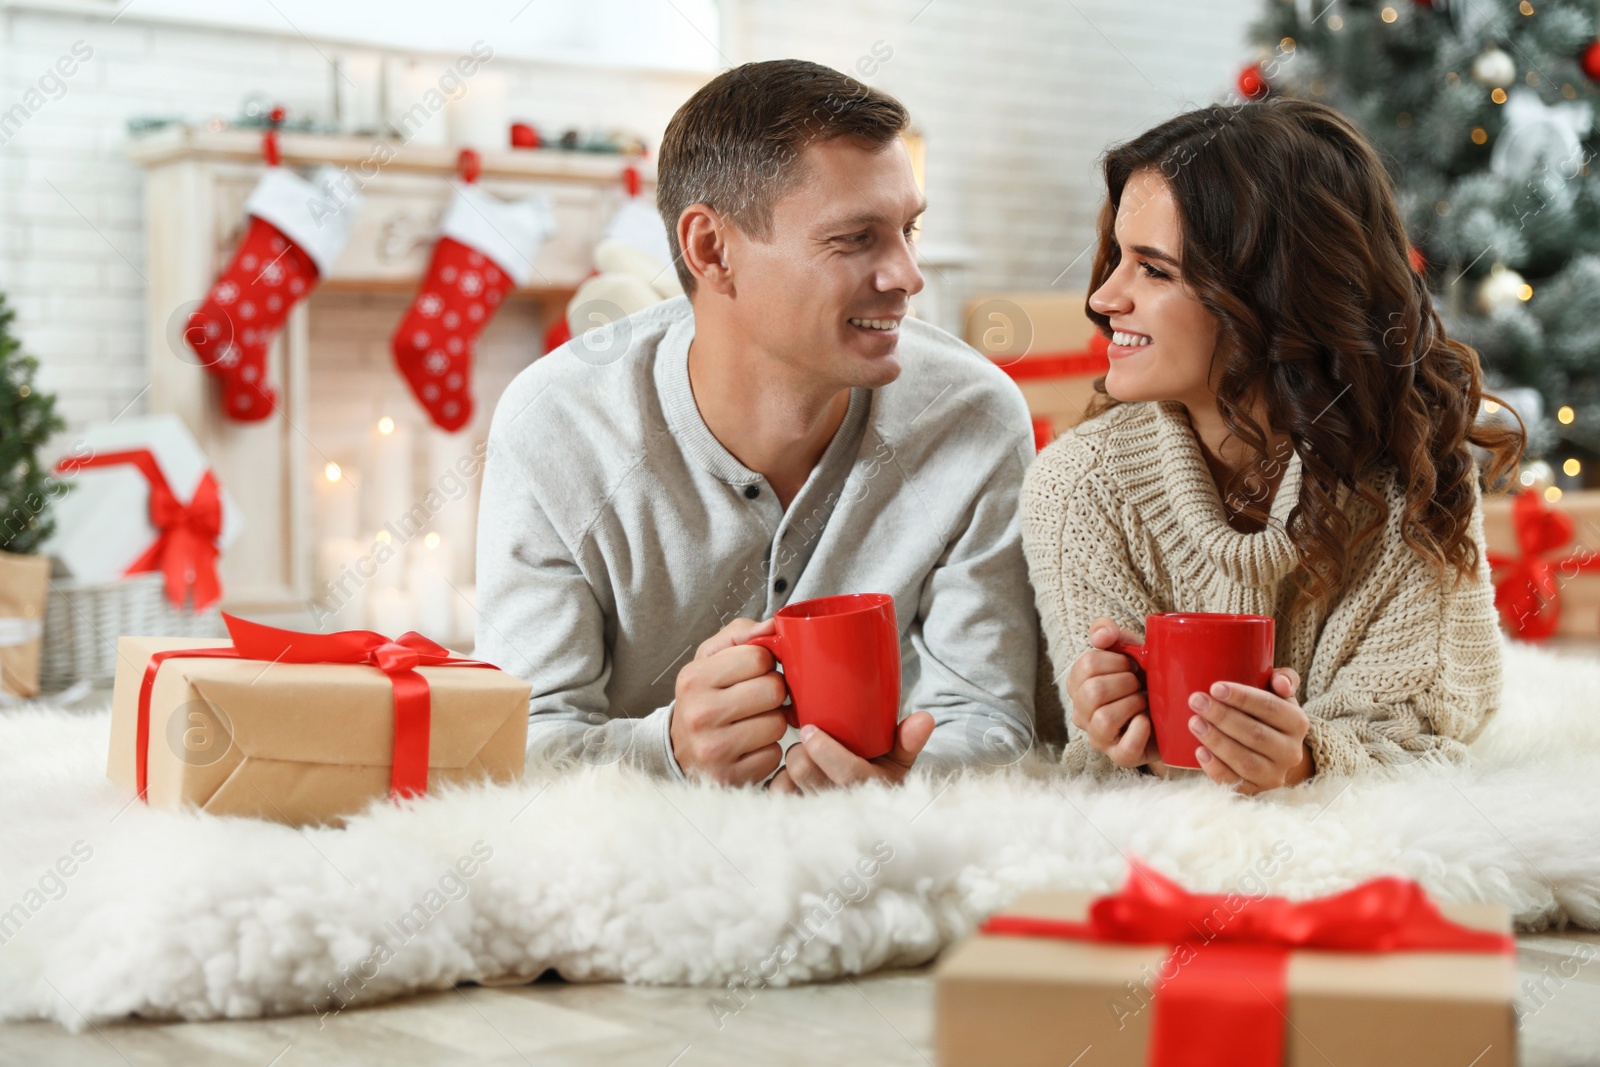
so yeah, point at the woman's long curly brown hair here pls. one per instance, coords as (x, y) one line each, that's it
(1291, 238)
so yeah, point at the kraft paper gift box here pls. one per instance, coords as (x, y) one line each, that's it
(1003, 1000)
(23, 583)
(1577, 591)
(301, 743)
(1043, 341)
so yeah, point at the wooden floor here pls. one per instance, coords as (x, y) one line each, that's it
(881, 1019)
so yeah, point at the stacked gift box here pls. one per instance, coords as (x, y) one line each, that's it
(1048, 346)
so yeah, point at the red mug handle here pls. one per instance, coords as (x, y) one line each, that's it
(1136, 652)
(770, 643)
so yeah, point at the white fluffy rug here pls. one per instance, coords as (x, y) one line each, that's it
(607, 875)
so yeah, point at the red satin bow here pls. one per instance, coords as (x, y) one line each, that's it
(1227, 998)
(1528, 594)
(396, 658)
(185, 548)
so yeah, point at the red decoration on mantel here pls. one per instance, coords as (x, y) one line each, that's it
(1209, 1004)
(1527, 592)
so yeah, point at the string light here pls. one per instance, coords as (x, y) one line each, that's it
(1491, 407)
(1552, 493)
(383, 537)
(1499, 97)
(1479, 134)
(432, 540)
(1335, 23)
(1525, 7)
(1572, 468)
(332, 472)
(1525, 292)
(386, 425)
(1389, 14)
(1565, 415)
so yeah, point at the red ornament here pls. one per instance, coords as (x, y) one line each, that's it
(524, 136)
(1590, 60)
(1253, 83)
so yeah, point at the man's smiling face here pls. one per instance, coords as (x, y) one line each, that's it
(825, 293)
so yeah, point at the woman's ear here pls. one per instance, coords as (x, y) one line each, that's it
(703, 236)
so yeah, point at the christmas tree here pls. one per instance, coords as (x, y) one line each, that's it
(27, 419)
(1483, 110)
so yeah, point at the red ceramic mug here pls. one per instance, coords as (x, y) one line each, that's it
(841, 661)
(1187, 652)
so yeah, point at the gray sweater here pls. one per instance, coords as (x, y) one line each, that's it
(616, 534)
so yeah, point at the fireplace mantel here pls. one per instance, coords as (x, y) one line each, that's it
(195, 188)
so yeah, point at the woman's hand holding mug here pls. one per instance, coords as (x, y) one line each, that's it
(1251, 737)
(1108, 700)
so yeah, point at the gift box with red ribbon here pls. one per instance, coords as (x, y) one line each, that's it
(307, 727)
(1155, 975)
(1545, 560)
(144, 499)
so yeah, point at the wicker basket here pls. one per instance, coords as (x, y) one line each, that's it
(82, 624)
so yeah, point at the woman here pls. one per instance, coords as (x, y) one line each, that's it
(1285, 431)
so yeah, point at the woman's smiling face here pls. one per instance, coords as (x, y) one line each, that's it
(1163, 337)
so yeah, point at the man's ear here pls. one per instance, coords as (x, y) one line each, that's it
(703, 237)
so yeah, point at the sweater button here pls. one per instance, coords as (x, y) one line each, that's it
(781, 584)
(752, 491)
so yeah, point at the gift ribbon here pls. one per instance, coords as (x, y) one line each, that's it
(17, 630)
(1227, 999)
(185, 548)
(1091, 360)
(1527, 594)
(397, 658)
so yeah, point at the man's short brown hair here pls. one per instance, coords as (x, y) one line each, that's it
(735, 145)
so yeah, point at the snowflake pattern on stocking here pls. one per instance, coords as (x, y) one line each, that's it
(233, 328)
(433, 345)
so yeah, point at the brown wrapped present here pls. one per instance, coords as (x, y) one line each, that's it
(23, 580)
(1546, 560)
(1131, 979)
(294, 738)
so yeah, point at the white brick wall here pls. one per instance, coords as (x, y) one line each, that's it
(1017, 99)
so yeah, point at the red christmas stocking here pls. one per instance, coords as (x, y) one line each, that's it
(296, 231)
(486, 247)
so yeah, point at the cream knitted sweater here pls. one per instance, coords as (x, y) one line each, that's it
(1121, 518)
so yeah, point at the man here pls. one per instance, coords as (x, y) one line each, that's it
(782, 432)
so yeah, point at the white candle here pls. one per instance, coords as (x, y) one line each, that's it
(466, 605)
(386, 485)
(480, 117)
(415, 104)
(388, 561)
(359, 83)
(429, 583)
(341, 589)
(390, 612)
(338, 503)
(457, 519)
